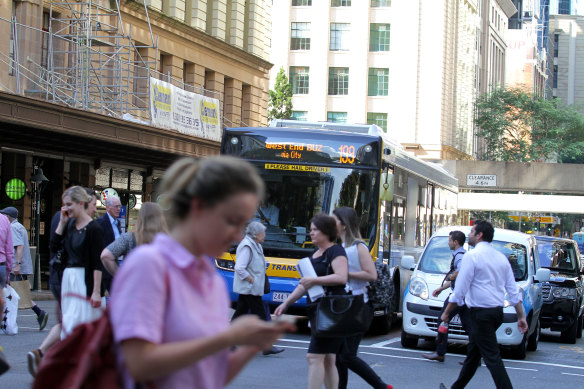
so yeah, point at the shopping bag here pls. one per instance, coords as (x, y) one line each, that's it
(9, 325)
(22, 288)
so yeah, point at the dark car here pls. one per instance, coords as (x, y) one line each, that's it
(563, 294)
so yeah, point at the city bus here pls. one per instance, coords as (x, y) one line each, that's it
(310, 168)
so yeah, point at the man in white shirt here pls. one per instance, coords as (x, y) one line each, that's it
(485, 275)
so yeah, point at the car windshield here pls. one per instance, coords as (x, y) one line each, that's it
(438, 256)
(557, 255)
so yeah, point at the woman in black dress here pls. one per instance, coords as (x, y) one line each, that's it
(330, 264)
(82, 240)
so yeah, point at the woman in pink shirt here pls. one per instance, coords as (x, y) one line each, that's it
(169, 306)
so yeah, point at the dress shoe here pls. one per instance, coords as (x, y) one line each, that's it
(273, 350)
(434, 357)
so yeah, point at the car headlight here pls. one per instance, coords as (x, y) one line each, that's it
(224, 264)
(560, 292)
(419, 288)
(506, 303)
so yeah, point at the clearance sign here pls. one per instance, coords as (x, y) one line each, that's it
(188, 113)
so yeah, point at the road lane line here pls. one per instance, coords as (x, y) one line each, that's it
(384, 343)
(393, 356)
(579, 375)
(294, 340)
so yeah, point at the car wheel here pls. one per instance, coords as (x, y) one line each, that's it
(570, 334)
(408, 341)
(382, 324)
(580, 325)
(533, 339)
(520, 350)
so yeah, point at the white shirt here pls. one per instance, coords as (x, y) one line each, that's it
(485, 274)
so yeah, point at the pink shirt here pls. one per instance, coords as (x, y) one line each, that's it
(6, 247)
(162, 293)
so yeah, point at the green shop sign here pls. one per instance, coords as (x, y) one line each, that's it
(15, 189)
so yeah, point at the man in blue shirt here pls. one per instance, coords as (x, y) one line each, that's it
(456, 240)
(485, 275)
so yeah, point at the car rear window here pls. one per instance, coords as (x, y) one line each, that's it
(437, 256)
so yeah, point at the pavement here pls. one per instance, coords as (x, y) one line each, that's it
(42, 295)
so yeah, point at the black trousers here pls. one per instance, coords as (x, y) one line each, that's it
(463, 313)
(483, 342)
(247, 303)
(348, 359)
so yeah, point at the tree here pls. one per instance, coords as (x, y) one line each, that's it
(280, 102)
(517, 126)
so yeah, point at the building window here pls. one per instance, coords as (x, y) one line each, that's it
(45, 40)
(299, 115)
(299, 78)
(338, 82)
(379, 119)
(556, 44)
(300, 3)
(340, 36)
(379, 37)
(340, 3)
(555, 85)
(300, 37)
(378, 82)
(564, 7)
(380, 3)
(336, 117)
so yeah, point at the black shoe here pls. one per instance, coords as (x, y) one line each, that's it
(4, 366)
(273, 350)
(42, 318)
(434, 357)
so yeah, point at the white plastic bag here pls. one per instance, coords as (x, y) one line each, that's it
(9, 325)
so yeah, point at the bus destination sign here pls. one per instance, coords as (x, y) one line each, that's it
(294, 150)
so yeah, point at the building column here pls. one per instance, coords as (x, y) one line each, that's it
(173, 65)
(199, 76)
(246, 104)
(233, 96)
(146, 55)
(215, 81)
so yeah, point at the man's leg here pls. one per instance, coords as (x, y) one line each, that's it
(487, 322)
(472, 361)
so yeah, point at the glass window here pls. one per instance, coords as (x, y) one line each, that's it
(338, 81)
(340, 36)
(299, 78)
(378, 82)
(377, 118)
(379, 37)
(299, 115)
(556, 44)
(300, 36)
(380, 3)
(340, 3)
(298, 3)
(555, 80)
(336, 117)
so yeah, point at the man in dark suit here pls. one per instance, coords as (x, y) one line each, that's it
(111, 230)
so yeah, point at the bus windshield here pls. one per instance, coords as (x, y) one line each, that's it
(295, 193)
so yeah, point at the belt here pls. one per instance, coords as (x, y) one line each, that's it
(472, 309)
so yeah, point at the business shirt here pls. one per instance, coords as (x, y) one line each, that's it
(6, 246)
(164, 294)
(485, 274)
(115, 225)
(457, 257)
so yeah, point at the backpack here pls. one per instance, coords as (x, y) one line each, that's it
(380, 291)
(83, 360)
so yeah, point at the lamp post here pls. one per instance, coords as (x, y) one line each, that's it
(39, 179)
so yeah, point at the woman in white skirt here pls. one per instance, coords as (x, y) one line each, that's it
(82, 239)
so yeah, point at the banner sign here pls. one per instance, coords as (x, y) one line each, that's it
(187, 112)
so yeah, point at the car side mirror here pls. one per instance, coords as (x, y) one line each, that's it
(542, 275)
(408, 262)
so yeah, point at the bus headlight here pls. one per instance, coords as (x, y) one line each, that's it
(419, 288)
(224, 264)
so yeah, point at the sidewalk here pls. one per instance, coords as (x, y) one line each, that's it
(42, 295)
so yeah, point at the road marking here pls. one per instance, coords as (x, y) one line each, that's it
(579, 375)
(514, 368)
(384, 343)
(284, 346)
(393, 356)
(294, 340)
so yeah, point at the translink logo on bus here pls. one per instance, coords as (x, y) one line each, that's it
(280, 267)
(301, 168)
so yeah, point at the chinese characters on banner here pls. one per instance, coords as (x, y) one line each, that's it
(187, 112)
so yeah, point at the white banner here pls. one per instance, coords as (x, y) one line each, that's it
(187, 112)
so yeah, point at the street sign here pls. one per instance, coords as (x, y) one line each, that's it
(481, 180)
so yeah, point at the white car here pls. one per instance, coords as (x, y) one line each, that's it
(421, 310)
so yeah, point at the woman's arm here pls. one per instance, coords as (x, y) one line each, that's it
(119, 247)
(368, 271)
(298, 292)
(109, 261)
(96, 293)
(146, 361)
(241, 263)
(338, 277)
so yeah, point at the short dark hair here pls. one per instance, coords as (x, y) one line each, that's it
(458, 236)
(486, 228)
(326, 224)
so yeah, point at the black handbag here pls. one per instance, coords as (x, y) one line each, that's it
(266, 284)
(340, 316)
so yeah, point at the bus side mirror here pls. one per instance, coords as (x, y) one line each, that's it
(386, 186)
(542, 275)
(408, 262)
